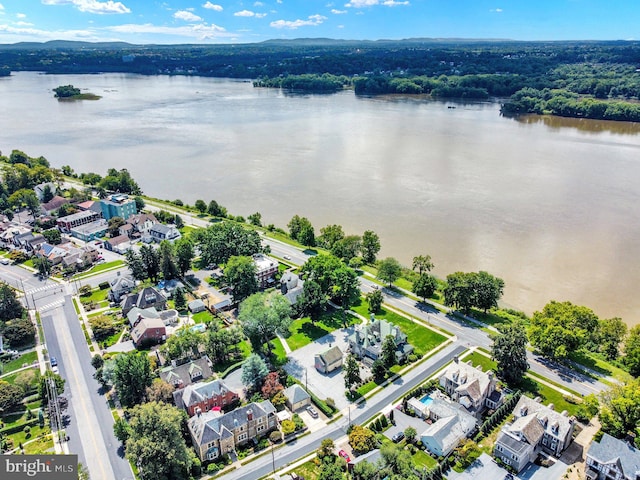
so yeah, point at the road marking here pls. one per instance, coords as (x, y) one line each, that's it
(41, 289)
(52, 305)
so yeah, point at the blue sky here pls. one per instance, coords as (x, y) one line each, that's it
(233, 21)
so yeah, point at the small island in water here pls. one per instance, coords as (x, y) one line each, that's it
(69, 92)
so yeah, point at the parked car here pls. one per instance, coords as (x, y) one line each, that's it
(287, 257)
(54, 362)
(5, 261)
(312, 411)
(344, 455)
(398, 437)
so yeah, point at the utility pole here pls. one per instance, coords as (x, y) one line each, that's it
(273, 460)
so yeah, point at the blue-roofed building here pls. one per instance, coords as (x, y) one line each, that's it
(611, 458)
(118, 205)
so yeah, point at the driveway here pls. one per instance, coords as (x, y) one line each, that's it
(403, 421)
(301, 366)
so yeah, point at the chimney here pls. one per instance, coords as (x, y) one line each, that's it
(455, 359)
(249, 415)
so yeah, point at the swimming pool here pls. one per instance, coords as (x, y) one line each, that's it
(426, 400)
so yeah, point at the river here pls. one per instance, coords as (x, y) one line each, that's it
(550, 205)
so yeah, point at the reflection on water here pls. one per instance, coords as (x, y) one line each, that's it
(549, 204)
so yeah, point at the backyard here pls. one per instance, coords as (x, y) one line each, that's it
(304, 331)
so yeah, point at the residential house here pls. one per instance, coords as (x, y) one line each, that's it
(29, 242)
(119, 244)
(535, 427)
(181, 376)
(140, 224)
(54, 204)
(120, 286)
(168, 287)
(470, 387)
(118, 205)
(196, 306)
(372, 457)
(291, 287)
(451, 423)
(366, 341)
(202, 397)
(148, 331)
(266, 268)
(297, 397)
(160, 232)
(42, 187)
(9, 233)
(65, 224)
(611, 459)
(90, 205)
(68, 255)
(329, 360)
(147, 298)
(214, 435)
(90, 231)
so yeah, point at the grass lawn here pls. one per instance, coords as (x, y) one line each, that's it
(21, 437)
(308, 470)
(200, 317)
(28, 263)
(10, 378)
(100, 268)
(278, 351)
(111, 339)
(422, 338)
(480, 359)
(245, 349)
(600, 365)
(27, 358)
(303, 331)
(40, 445)
(96, 296)
(422, 459)
(549, 395)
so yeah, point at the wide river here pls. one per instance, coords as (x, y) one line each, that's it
(550, 205)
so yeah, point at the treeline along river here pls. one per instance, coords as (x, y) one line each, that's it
(550, 205)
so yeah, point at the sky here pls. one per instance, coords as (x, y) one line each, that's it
(246, 21)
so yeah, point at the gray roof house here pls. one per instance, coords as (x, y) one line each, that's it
(147, 298)
(536, 427)
(470, 387)
(366, 341)
(612, 458)
(181, 376)
(120, 285)
(160, 232)
(196, 306)
(291, 286)
(329, 360)
(297, 397)
(202, 397)
(214, 435)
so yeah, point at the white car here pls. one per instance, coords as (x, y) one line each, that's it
(5, 261)
(287, 257)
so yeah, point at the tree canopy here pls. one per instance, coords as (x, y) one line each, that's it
(240, 274)
(509, 350)
(262, 315)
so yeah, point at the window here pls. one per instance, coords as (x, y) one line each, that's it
(242, 436)
(260, 428)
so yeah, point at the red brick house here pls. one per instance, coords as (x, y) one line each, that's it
(202, 397)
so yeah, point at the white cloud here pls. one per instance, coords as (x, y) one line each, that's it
(92, 6)
(21, 15)
(338, 12)
(24, 24)
(213, 6)
(200, 31)
(249, 13)
(313, 20)
(258, 4)
(371, 3)
(18, 34)
(1, 7)
(186, 16)
(496, 10)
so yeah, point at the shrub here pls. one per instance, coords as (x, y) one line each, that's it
(275, 437)
(288, 427)
(103, 285)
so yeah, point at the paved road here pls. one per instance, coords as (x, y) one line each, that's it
(289, 453)
(91, 423)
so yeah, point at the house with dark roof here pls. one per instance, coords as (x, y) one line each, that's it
(202, 397)
(297, 397)
(147, 298)
(160, 232)
(470, 387)
(65, 224)
(611, 458)
(148, 330)
(372, 457)
(29, 242)
(181, 376)
(214, 434)
(535, 428)
(54, 204)
(196, 306)
(140, 224)
(291, 286)
(329, 360)
(366, 341)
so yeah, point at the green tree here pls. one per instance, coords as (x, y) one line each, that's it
(47, 194)
(488, 290)
(307, 235)
(139, 203)
(346, 286)
(422, 263)
(389, 270)
(321, 269)
(351, 371)
(25, 198)
(347, 248)
(184, 255)
(136, 265)
(388, 355)
(53, 236)
(240, 273)
(224, 240)
(42, 265)
(43, 382)
(326, 449)
(254, 371)
(262, 315)
(216, 210)
(201, 206)
(329, 235)
(620, 409)
(132, 376)
(378, 369)
(588, 408)
(255, 219)
(180, 300)
(102, 326)
(509, 350)
(330, 471)
(184, 343)
(410, 434)
(122, 430)
(157, 444)
(167, 261)
(425, 286)
(10, 395)
(632, 351)
(362, 440)
(114, 225)
(10, 306)
(459, 292)
(151, 260)
(562, 327)
(365, 471)
(370, 246)
(311, 301)
(611, 332)
(19, 332)
(295, 226)
(374, 299)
